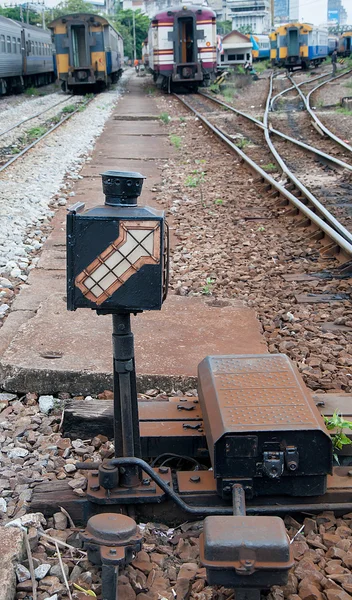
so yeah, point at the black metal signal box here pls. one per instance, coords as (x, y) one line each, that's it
(117, 253)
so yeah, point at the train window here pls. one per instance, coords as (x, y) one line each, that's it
(32, 47)
(14, 48)
(39, 49)
(18, 45)
(2, 43)
(8, 40)
(36, 48)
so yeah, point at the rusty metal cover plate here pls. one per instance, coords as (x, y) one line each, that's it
(256, 391)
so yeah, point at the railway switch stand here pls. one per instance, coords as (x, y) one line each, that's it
(257, 429)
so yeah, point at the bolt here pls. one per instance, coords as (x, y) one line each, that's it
(95, 474)
(95, 487)
(112, 551)
(146, 481)
(163, 469)
(248, 562)
(195, 478)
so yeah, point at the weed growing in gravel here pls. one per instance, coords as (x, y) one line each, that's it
(69, 108)
(241, 70)
(15, 150)
(151, 91)
(35, 132)
(207, 288)
(218, 202)
(242, 143)
(348, 84)
(262, 65)
(214, 87)
(269, 168)
(175, 141)
(194, 180)
(31, 91)
(182, 120)
(339, 439)
(344, 111)
(164, 117)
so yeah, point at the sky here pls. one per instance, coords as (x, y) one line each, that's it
(310, 11)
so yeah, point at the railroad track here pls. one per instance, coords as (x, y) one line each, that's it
(38, 114)
(24, 150)
(287, 185)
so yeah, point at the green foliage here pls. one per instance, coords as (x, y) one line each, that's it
(344, 111)
(348, 84)
(69, 108)
(219, 202)
(123, 22)
(31, 91)
(207, 288)
(262, 65)
(242, 143)
(196, 179)
(175, 141)
(246, 29)
(269, 168)
(35, 132)
(214, 87)
(241, 70)
(223, 27)
(67, 7)
(15, 13)
(164, 117)
(339, 439)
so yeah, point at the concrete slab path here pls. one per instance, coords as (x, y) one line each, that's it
(45, 348)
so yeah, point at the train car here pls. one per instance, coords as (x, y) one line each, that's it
(260, 46)
(345, 44)
(89, 52)
(26, 56)
(182, 47)
(298, 45)
(333, 42)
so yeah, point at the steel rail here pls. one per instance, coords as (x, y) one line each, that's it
(306, 100)
(311, 149)
(338, 239)
(274, 98)
(27, 148)
(324, 213)
(34, 116)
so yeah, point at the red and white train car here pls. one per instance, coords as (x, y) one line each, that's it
(182, 47)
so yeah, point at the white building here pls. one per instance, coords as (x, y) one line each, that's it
(152, 7)
(237, 49)
(255, 14)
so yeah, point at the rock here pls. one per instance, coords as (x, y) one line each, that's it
(305, 567)
(18, 453)
(299, 548)
(75, 573)
(78, 482)
(187, 571)
(309, 525)
(56, 571)
(46, 404)
(335, 552)
(42, 571)
(51, 584)
(125, 592)
(70, 468)
(3, 505)
(60, 521)
(310, 592)
(12, 551)
(182, 589)
(291, 586)
(4, 396)
(334, 567)
(22, 573)
(330, 539)
(337, 595)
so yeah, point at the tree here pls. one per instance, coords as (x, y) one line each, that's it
(223, 27)
(123, 22)
(246, 29)
(15, 14)
(67, 7)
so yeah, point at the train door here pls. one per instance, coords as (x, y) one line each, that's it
(348, 44)
(292, 42)
(186, 51)
(79, 46)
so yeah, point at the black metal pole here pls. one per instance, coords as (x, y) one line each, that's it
(238, 500)
(126, 421)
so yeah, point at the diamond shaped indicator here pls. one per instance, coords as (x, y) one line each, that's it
(138, 244)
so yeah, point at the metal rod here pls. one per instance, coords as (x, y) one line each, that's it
(109, 581)
(238, 500)
(126, 421)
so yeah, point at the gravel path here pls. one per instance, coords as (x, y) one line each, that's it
(27, 189)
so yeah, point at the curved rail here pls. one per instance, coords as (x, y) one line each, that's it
(30, 146)
(274, 98)
(34, 116)
(312, 149)
(306, 100)
(328, 229)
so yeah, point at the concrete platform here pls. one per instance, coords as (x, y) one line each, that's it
(45, 348)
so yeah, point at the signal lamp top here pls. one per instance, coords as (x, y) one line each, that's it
(122, 187)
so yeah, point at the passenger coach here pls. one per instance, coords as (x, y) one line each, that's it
(182, 47)
(298, 45)
(26, 56)
(89, 52)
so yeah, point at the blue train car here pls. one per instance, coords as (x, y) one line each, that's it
(345, 44)
(260, 45)
(299, 45)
